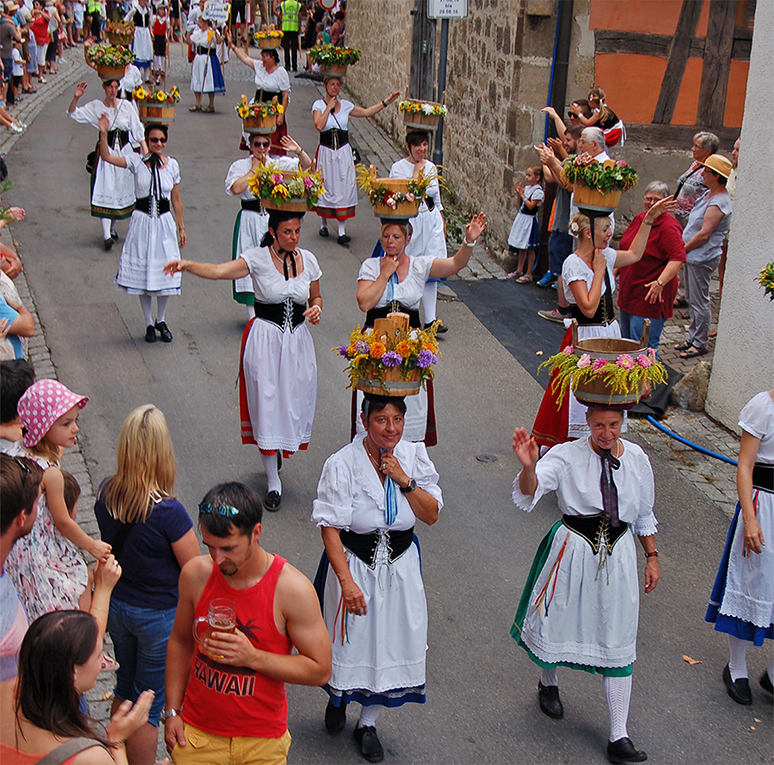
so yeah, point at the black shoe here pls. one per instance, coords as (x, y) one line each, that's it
(765, 682)
(335, 717)
(550, 703)
(442, 328)
(272, 501)
(344, 239)
(150, 334)
(370, 746)
(738, 690)
(623, 751)
(323, 232)
(114, 235)
(163, 330)
(108, 243)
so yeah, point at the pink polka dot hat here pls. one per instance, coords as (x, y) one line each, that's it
(42, 404)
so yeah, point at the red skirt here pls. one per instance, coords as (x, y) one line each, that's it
(553, 421)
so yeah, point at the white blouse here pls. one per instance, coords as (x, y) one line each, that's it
(757, 418)
(270, 285)
(169, 176)
(350, 495)
(124, 117)
(409, 291)
(340, 119)
(576, 270)
(276, 82)
(242, 167)
(574, 470)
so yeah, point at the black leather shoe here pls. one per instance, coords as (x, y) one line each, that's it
(272, 501)
(150, 334)
(370, 746)
(114, 235)
(550, 703)
(108, 243)
(623, 751)
(323, 232)
(738, 690)
(765, 682)
(163, 330)
(344, 239)
(335, 717)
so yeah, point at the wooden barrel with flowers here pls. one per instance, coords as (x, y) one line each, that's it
(414, 115)
(260, 125)
(596, 201)
(153, 114)
(287, 191)
(269, 37)
(391, 209)
(107, 73)
(287, 205)
(395, 382)
(333, 70)
(120, 38)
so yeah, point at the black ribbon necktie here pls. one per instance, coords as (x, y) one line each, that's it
(609, 489)
(288, 258)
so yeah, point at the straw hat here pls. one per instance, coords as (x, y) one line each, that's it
(42, 404)
(719, 164)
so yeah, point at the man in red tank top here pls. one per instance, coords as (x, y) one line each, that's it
(225, 694)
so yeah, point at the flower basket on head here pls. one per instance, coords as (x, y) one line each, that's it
(120, 32)
(393, 198)
(286, 191)
(606, 371)
(598, 185)
(261, 117)
(421, 115)
(156, 107)
(391, 359)
(333, 60)
(269, 37)
(110, 61)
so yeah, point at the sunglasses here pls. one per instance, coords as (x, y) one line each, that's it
(205, 508)
(261, 143)
(157, 140)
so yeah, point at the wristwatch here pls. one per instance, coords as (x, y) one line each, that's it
(409, 487)
(659, 282)
(167, 713)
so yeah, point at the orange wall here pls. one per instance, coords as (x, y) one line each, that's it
(654, 16)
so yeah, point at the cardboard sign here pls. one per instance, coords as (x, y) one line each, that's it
(217, 11)
(447, 9)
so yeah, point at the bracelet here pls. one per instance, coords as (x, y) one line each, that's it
(653, 554)
(97, 608)
(469, 244)
(384, 104)
(167, 713)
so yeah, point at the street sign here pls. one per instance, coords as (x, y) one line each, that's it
(447, 9)
(217, 11)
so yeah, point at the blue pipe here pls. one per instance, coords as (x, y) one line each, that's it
(553, 68)
(682, 440)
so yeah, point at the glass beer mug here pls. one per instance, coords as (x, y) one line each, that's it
(221, 617)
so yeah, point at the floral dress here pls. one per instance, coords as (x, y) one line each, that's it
(46, 569)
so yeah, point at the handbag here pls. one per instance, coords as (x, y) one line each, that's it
(91, 161)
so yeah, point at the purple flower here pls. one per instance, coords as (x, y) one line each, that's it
(426, 358)
(392, 359)
(361, 347)
(598, 364)
(343, 350)
(643, 361)
(584, 361)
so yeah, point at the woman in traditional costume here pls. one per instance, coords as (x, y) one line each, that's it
(278, 369)
(112, 187)
(742, 600)
(580, 605)
(334, 155)
(141, 15)
(370, 495)
(252, 221)
(206, 74)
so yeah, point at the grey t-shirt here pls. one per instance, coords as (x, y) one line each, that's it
(562, 211)
(711, 249)
(7, 34)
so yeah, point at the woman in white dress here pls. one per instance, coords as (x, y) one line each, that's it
(252, 220)
(206, 74)
(334, 155)
(396, 282)
(580, 605)
(428, 236)
(742, 600)
(112, 188)
(152, 239)
(278, 370)
(141, 15)
(370, 495)
(271, 81)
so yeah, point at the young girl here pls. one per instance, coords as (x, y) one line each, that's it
(160, 34)
(524, 238)
(603, 117)
(45, 566)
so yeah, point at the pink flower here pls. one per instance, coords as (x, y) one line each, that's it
(652, 353)
(621, 163)
(584, 361)
(276, 178)
(643, 361)
(625, 361)
(409, 197)
(598, 364)
(308, 182)
(568, 349)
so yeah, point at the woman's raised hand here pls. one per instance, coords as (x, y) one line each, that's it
(665, 205)
(388, 265)
(80, 89)
(290, 145)
(392, 97)
(129, 717)
(525, 448)
(476, 227)
(104, 124)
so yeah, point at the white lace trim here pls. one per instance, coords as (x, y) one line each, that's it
(741, 606)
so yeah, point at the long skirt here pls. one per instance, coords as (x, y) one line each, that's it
(112, 188)
(338, 168)
(142, 47)
(206, 75)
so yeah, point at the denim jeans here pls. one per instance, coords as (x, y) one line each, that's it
(631, 327)
(140, 637)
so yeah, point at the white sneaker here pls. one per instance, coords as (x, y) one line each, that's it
(16, 128)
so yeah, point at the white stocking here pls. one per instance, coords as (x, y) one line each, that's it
(272, 473)
(105, 227)
(618, 691)
(548, 677)
(429, 300)
(250, 312)
(161, 307)
(145, 304)
(342, 227)
(737, 661)
(368, 716)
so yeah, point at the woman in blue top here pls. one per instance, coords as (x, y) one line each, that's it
(153, 538)
(704, 233)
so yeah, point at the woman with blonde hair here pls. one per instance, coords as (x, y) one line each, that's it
(152, 536)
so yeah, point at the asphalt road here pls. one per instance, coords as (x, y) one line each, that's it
(482, 705)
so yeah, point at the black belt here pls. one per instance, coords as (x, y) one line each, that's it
(143, 204)
(265, 96)
(334, 138)
(122, 135)
(252, 204)
(393, 307)
(201, 51)
(605, 313)
(284, 314)
(526, 211)
(596, 530)
(364, 545)
(763, 477)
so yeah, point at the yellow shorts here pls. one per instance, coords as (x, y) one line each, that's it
(208, 749)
